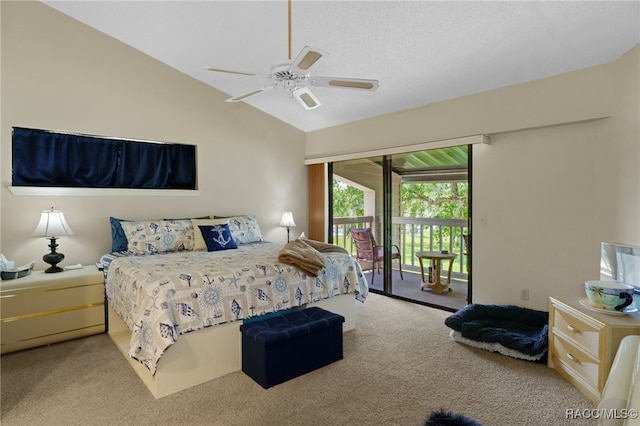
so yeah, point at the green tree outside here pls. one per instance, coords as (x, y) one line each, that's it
(433, 200)
(348, 201)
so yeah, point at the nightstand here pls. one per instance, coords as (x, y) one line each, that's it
(40, 309)
(583, 343)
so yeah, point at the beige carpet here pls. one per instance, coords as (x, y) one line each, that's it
(399, 366)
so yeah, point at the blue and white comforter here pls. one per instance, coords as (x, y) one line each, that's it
(162, 296)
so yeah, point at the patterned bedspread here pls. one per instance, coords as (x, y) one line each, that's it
(162, 296)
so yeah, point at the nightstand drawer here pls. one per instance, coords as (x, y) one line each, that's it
(48, 324)
(587, 335)
(48, 299)
(582, 363)
(42, 308)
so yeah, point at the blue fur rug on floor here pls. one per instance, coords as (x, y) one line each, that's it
(448, 418)
(510, 330)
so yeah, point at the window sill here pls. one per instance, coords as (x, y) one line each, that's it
(99, 192)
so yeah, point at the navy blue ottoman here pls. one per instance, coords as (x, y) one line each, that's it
(280, 348)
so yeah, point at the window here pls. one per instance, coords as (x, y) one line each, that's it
(49, 159)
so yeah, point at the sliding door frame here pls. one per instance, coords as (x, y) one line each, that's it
(330, 202)
(386, 223)
(387, 226)
(469, 222)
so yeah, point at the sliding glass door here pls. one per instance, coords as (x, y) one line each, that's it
(357, 204)
(416, 207)
(431, 192)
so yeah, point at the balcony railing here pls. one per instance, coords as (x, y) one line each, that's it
(412, 235)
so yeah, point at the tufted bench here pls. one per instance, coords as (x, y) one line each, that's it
(282, 347)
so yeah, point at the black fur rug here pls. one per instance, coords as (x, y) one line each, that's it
(448, 418)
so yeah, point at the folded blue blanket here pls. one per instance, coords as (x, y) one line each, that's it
(520, 329)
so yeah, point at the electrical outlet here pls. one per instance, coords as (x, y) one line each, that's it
(524, 294)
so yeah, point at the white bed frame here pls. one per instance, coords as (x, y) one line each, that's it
(203, 355)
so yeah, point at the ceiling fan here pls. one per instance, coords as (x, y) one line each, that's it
(296, 78)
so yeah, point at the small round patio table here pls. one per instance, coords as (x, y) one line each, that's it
(436, 258)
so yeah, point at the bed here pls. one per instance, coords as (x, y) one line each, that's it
(174, 308)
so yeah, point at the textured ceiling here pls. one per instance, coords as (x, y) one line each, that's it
(420, 51)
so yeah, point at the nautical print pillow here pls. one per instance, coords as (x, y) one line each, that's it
(218, 237)
(245, 229)
(158, 236)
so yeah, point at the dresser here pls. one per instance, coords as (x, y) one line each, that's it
(40, 308)
(583, 343)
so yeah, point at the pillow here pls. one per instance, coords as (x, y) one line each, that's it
(118, 238)
(189, 218)
(218, 237)
(158, 236)
(198, 240)
(245, 229)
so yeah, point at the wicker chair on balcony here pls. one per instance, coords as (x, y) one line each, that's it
(369, 254)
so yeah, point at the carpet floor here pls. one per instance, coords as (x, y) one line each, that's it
(399, 365)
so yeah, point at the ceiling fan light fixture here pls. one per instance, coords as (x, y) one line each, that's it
(306, 98)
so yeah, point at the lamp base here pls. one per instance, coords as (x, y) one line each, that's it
(53, 258)
(53, 269)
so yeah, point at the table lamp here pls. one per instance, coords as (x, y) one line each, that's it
(52, 225)
(288, 222)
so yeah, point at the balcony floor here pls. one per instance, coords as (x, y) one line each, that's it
(409, 288)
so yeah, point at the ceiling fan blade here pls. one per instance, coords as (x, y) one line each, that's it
(306, 59)
(306, 98)
(251, 74)
(231, 71)
(248, 95)
(348, 83)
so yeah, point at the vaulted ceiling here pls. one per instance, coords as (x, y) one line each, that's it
(420, 51)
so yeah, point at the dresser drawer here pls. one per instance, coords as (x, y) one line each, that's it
(583, 343)
(582, 363)
(585, 333)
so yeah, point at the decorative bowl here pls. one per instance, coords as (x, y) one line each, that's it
(609, 295)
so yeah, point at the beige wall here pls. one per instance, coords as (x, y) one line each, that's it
(565, 98)
(548, 194)
(59, 74)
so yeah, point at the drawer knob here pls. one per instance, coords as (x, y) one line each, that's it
(572, 358)
(572, 328)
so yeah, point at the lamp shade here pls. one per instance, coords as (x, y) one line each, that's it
(287, 220)
(52, 224)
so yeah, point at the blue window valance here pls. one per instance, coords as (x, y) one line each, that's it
(49, 159)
